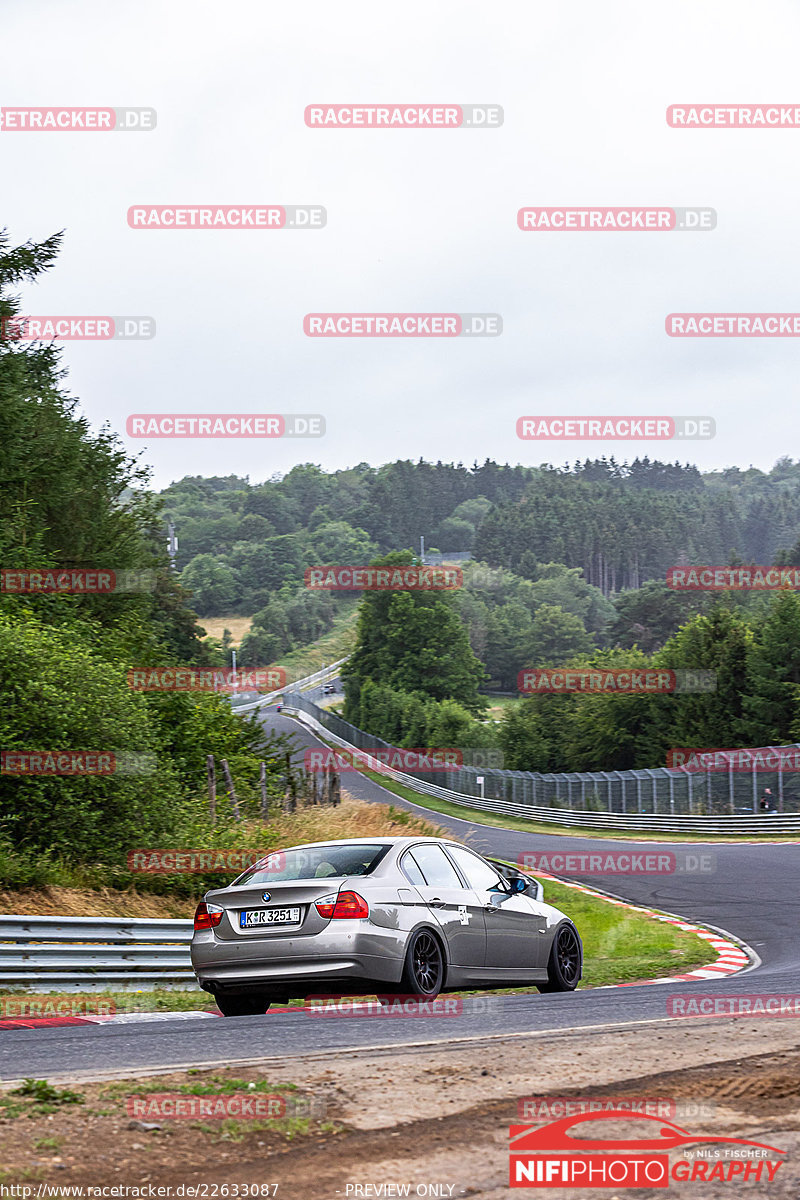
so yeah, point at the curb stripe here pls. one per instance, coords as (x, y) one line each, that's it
(731, 959)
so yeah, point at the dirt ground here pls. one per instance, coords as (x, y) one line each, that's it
(433, 1118)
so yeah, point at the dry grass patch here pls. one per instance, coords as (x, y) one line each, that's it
(216, 626)
(83, 902)
(317, 823)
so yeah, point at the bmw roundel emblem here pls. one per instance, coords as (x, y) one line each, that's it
(265, 896)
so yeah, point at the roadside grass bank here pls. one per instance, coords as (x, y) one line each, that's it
(337, 643)
(33, 882)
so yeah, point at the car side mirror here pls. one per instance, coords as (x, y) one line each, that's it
(511, 885)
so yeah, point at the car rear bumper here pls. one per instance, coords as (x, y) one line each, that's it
(330, 957)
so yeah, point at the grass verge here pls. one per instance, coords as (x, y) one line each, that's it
(337, 643)
(501, 821)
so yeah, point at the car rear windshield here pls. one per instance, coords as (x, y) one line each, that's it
(315, 862)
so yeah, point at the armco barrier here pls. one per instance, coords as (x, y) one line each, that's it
(81, 954)
(300, 685)
(759, 824)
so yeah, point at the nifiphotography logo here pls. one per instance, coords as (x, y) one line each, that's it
(549, 1156)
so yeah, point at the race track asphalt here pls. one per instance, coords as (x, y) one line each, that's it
(753, 893)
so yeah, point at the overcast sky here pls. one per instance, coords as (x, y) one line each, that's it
(418, 220)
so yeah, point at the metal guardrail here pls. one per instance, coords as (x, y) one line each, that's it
(300, 685)
(82, 954)
(760, 824)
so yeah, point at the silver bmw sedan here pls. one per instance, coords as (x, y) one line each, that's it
(400, 915)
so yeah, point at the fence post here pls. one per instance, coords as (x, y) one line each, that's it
(226, 771)
(212, 787)
(708, 791)
(780, 783)
(262, 782)
(290, 790)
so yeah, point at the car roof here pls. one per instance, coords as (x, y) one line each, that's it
(368, 841)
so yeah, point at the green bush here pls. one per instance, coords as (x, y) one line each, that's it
(59, 695)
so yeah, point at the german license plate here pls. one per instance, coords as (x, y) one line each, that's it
(268, 916)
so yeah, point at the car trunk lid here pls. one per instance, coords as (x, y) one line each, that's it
(297, 894)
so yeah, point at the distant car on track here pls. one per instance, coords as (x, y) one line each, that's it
(398, 915)
(329, 689)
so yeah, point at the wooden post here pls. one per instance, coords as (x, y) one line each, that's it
(226, 771)
(262, 780)
(212, 788)
(337, 789)
(290, 790)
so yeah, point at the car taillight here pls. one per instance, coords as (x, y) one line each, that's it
(342, 904)
(207, 916)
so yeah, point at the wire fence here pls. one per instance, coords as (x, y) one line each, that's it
(659, 791)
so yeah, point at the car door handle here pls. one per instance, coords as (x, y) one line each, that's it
(436, 903)
(492, 907)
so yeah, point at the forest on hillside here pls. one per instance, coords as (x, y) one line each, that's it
(565, 560)
(622, 524)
